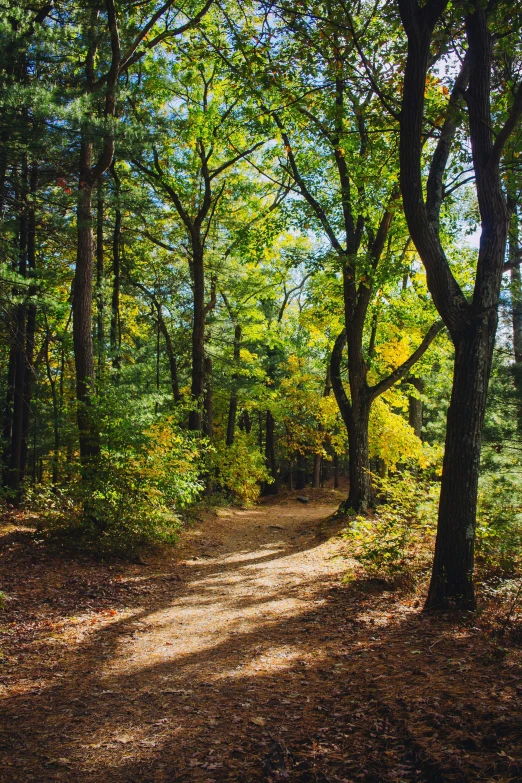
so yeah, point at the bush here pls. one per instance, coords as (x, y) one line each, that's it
(239, 469)
(147, 472)
(499, 525)
(399, 537)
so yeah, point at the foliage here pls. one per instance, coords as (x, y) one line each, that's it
(239, 469)
(499, 525)
(147, 473)
(399, 536)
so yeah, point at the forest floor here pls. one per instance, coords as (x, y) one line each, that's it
(241, 655)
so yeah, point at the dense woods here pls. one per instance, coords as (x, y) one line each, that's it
(250, 249)
(217, 220)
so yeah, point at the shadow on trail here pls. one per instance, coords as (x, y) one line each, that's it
(348, 684)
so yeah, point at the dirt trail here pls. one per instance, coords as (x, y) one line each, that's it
(241, 657)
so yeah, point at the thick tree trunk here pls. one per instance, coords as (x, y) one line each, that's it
(359, 464)
(82, 314)
(516, 313)
(452, 575)
(198, 336)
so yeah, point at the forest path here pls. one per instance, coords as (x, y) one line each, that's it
(240, 656)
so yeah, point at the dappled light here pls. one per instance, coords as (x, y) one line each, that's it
(197, 663)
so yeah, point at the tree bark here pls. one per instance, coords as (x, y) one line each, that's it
(472, 325)
(198, 335)
(452, 575)
(516, 312)
(232, 407)
(270, 489)
(115, 332)
(318, 458)
(415, 407)
(100, 325)
(82, 314)
(19, 345)
(209, 400)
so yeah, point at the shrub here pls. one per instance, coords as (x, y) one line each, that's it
(399, 537)
(147, 472)
(499, 525)
(239, 469)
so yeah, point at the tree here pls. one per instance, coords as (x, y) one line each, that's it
(343, 167)
(471, 324)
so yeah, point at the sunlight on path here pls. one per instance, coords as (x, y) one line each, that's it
(238, 591)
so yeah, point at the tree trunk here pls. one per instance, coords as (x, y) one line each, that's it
(270, 489)
(30, 331)
(19, 345)
(516, 309)
(356, 416)
(198, 336)
(359, 464)
(232, 407)
(245, 422)
(173, 364)
(115, 334)
(209, 400)
(82, 315)
(7, 422)
(415, 407)
(452, 575)
(300, 481)
(318, 458)
(100, 326)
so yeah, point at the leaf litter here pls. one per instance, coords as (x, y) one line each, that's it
(242, 656)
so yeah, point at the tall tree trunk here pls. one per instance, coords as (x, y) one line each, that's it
(82, 315)
(516, 310)
(100, 326)
(56, 415)
(198, 335)
(270, 489)
(472, 325)
(19, 345)
(115, 335)
(173, 364)
(359, 460)
(452, 575)
(209, 400)
(232, 407)
(31, 320)
(7, 419)
(318, 458)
